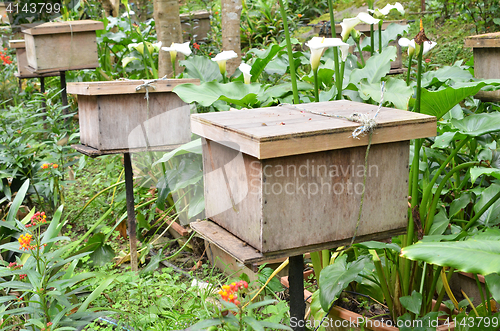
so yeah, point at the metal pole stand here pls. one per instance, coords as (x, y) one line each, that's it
(64, 94)
(296, 289)
(131, 223)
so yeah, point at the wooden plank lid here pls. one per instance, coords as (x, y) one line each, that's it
(19, 43)
(290, 130)
(483, 40)
(126, 86)
(61, 27)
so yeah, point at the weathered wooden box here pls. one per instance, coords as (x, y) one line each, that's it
(196, 23)
(285, 181)
(61, 46)
(116, 117)
(486, 50)
(22, 61)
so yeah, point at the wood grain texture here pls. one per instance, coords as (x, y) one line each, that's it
(92, 152)
(124, 123)
(287, 130)
(19, 43)
(61, 51)
(126, 86)
(61, 27)
(483, 40)
(297, 201)
(486, 60)
(22, 62)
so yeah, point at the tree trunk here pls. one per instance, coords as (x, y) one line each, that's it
(111, 7)
(168, 29)
(231, 41)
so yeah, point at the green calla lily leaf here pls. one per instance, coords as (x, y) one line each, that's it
(202, 68)
(473, 255)
(207, 93)
(478, 124)
(376, 67)
(396, 92)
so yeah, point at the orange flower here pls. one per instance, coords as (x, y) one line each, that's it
(229, 293)
(25, 241)
(300, 15)
(55, 166)
(45, 166)
(196, 46)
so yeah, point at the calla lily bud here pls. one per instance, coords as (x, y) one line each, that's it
(245, 69)
(221, 59)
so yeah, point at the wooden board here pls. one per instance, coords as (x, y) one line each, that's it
(19, 43)
(486, 60)
(195, 25)
(248, 255)
(92, 152)
(126, 86)
(61, 51)
(483, 40)
(288, 130)
(61, 27)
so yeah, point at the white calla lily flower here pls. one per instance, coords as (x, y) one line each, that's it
(176, 47)
(318, 45)
(140, 47)
(245, 69)
(405, 42)
(157, 46)
(349, 23)
(221, 59)
(380, 13)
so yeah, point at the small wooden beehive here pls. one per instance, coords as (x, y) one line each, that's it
(116, 117)
(283, 180)
(486, 50)
(22, 62)
(61, 46)
(195, 23)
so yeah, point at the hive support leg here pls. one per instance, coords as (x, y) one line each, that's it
(20, 84)
(296, 289)
(129, 192)
(44, 105)
(64, 94)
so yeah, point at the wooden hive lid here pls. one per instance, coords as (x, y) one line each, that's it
(61, 27)
(288, 130)
(126, 86)
(197, 14)
(483, 40)
(19, 43)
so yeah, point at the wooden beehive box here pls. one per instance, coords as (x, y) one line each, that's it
(115, 117)
(486, 50)
(22, 62)
(61, 46)
(195, 23)
(285, 181)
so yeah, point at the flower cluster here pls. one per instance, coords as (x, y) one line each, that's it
(21, 277)
(49, 324)
(15, 266)
(25, 241)
(47, 165)
(4, 57)
(37, 218)
(229, 292)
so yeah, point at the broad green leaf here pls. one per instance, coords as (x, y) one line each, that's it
(493, 282)
(396, 92)
(201, 67)
(440, 224)
(476, 256)
(278, 91)
(253, 323)
(459, 204)
(492, 215)
(336, 277)
(197, 202)
(207, 93)
(453, 74)
(438, 103)
(327, 95)
(261, 304)
(190, 147)
(264, 57)
(325, 77)
(376, 67)
(475, 172)
(316, 311)
(444, 140)
(478, 124)
(412, 303)
(274, 285)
